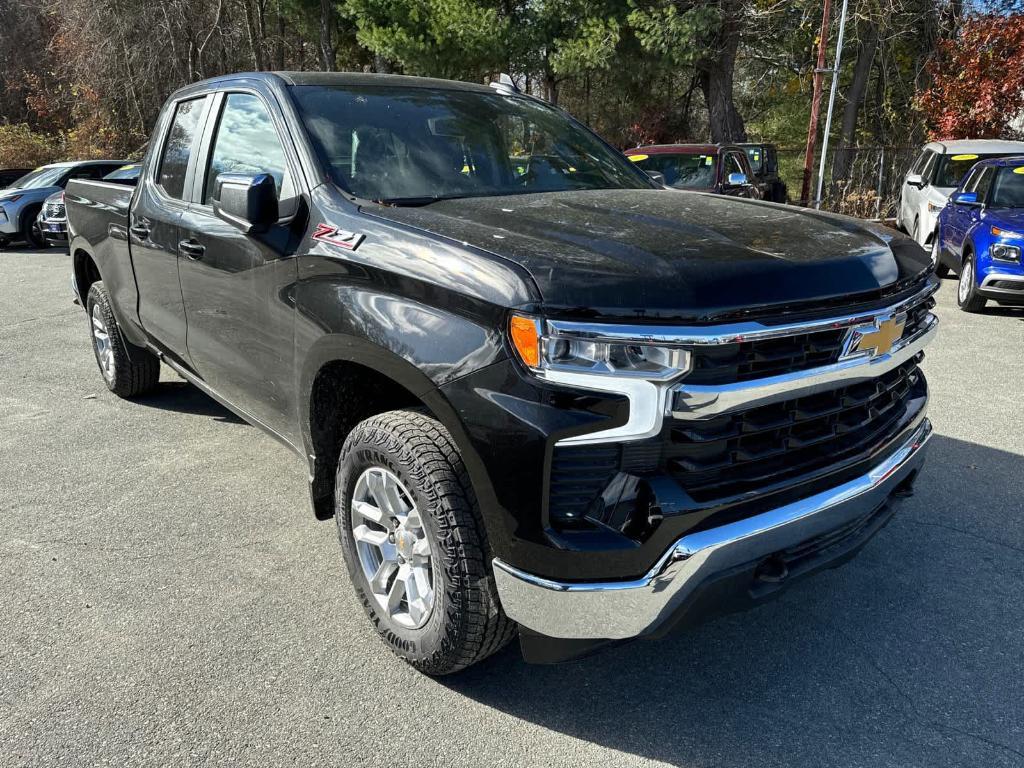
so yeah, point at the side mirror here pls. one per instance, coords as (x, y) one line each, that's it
(915, 180)
(246, 202)
(966, 198)
(657, 176)
(736, 179)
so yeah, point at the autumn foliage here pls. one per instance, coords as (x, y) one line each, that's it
(977, 86)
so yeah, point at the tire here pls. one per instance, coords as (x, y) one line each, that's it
(941, 270)
(31, 235)
(127, 370)
(414, 456)
(967, 289)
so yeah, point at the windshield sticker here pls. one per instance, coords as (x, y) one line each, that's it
(1019, 170)
(341, 238)
(964, 157)
(709, 160)
(638, 158)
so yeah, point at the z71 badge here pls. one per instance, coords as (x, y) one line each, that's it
(325, 233)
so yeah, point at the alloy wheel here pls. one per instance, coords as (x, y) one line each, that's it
(966, 281)
(101, 344)
(393, 547)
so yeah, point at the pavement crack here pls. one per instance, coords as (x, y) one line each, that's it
(914, 713)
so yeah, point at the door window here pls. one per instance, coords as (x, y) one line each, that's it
(971, 180)
(921, 161)
(733, 165)
(178, 147)
(246, 142)
(982, 184)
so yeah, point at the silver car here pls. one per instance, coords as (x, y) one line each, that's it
(21, 203)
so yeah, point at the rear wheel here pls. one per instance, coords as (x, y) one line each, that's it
(415, 544)
(127, 370)
(967, 290)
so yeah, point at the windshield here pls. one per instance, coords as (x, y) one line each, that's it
(680, 171)
(47, 176)
(757, 158)
(416, 145)
(952, 168)
(1008, 189)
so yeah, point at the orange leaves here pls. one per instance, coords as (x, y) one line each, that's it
(977, 86)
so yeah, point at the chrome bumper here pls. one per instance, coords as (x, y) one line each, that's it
(621, 610)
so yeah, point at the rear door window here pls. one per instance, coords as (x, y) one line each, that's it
(178, 147)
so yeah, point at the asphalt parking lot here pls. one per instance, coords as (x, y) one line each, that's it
(166, 598)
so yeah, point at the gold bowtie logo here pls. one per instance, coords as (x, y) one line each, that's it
(878, 338)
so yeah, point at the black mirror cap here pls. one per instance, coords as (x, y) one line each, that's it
(246, 202)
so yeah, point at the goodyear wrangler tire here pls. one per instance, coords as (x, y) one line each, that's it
(415, 545)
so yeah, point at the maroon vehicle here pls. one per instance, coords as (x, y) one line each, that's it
(719, 168)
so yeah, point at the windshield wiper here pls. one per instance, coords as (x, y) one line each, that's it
(413, 202)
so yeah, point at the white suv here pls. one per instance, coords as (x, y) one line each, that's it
(936, 173)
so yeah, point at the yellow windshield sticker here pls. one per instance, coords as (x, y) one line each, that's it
(709, 160)
(638, 158)
(964, 157)
(126, 167)
(1019, 170)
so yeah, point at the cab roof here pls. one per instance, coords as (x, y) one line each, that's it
(342, 79)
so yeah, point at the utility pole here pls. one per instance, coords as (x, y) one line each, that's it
(831, 103)
(812, 128)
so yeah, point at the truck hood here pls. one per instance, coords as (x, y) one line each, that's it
(660, 255)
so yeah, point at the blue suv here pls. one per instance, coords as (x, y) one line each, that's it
(980, 235)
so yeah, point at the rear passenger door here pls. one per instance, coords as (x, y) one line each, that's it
(162, 198)
(237, 288)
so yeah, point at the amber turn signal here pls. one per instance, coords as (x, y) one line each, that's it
(525, 334)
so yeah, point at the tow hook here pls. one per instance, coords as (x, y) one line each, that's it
(773, 570)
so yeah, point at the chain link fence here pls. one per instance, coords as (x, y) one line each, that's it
(861, 181)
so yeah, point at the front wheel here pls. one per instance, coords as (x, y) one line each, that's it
(967, 290)
(30, 230)
(127, 370)
(415, 545)
(941, 270)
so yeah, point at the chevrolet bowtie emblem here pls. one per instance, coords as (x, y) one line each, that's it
(874, 339)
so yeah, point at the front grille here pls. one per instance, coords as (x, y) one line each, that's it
(54, 210)
(744, 461)
(748, 360)
(745, 451)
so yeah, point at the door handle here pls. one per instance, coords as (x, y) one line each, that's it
(191, 248)
(140, 230)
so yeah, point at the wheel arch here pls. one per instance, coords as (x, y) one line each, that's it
(345, 381)
(85, 270)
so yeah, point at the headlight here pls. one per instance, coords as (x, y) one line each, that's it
(11, 199)
(1004, 252)
(935, 207)
(543, 347)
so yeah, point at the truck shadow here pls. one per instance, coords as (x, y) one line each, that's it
(910, 655)
(182, 397)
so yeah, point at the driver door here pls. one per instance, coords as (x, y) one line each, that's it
(237, 288)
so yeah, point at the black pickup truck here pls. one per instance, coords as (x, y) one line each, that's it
(536, 392)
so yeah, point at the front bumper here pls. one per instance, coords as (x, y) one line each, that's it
(619, 610)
